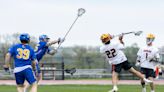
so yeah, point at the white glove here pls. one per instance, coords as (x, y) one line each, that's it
(150, 58)
(52, 51)
(137, 64)
(60, 40)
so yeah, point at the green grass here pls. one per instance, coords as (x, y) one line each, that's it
(84, 88)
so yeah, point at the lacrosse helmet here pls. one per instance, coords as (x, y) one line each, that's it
(24, 37)
(105, 38)
(43, 38)
(150, 38)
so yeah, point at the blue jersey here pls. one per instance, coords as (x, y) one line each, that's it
(23, 54)
(41, 50)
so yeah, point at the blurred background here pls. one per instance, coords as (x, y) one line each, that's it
(73, 62)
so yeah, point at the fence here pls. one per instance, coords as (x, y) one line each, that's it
(63, 68)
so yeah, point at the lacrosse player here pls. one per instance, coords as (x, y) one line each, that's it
(116, 57)
(148, 58)
(24, 56)
(41, 49)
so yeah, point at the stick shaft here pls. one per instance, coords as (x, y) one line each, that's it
(123, 34)
(68, 31)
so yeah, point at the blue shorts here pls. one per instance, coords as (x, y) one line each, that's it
(26, 74)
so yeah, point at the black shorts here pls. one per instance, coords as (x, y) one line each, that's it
(148, 72)
(118, 67)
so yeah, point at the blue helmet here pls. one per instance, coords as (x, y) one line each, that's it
(43, 37)
(24, 37)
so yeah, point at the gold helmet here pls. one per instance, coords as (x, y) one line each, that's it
(105, 38)
(150, 38)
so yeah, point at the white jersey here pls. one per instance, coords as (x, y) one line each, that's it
(114, 53)
(146, 54)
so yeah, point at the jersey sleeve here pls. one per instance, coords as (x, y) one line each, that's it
(101, 50)
(119, 46)
(43, 44)
(11, 50)
(40, 45)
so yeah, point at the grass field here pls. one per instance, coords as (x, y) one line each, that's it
(84, 88)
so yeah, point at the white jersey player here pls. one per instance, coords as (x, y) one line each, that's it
(148, 58)
(116, 57)
(114, 52)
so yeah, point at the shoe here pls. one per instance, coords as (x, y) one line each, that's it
(143, 89)
(113, 90)
(147, 81)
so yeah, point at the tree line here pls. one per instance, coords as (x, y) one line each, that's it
(81, 57)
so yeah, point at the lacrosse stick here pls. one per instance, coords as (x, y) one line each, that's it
(136, 33)
(70, 71)
(81, 11)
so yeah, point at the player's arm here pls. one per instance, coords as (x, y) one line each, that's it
(120, 45)
(8, 58)
(52, 51)
(34, 63)
(60, 40)
(34, 59)
(52, 42)
(156, 57)
(138, 60)
(7, 62)
(121, 39)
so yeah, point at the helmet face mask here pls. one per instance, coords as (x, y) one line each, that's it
(149, 39)
(44, 38)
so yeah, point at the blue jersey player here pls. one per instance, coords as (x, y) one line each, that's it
(24, 61)
(42, 48)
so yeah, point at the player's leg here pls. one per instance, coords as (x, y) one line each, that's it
(38, 77)
(127, 66)
(26, 87)
(20, 88)
(38, 73)
(152, 86)
(151, 75)
(115, 70)
(115, 80)
(20, 78)
(30, 77)
(34, 87)
(143, 85)
(143, 71)
(138, 74)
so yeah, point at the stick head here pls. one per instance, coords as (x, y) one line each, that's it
(138, 33)
(81, 11)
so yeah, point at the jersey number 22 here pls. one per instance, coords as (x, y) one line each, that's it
(111, 53)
